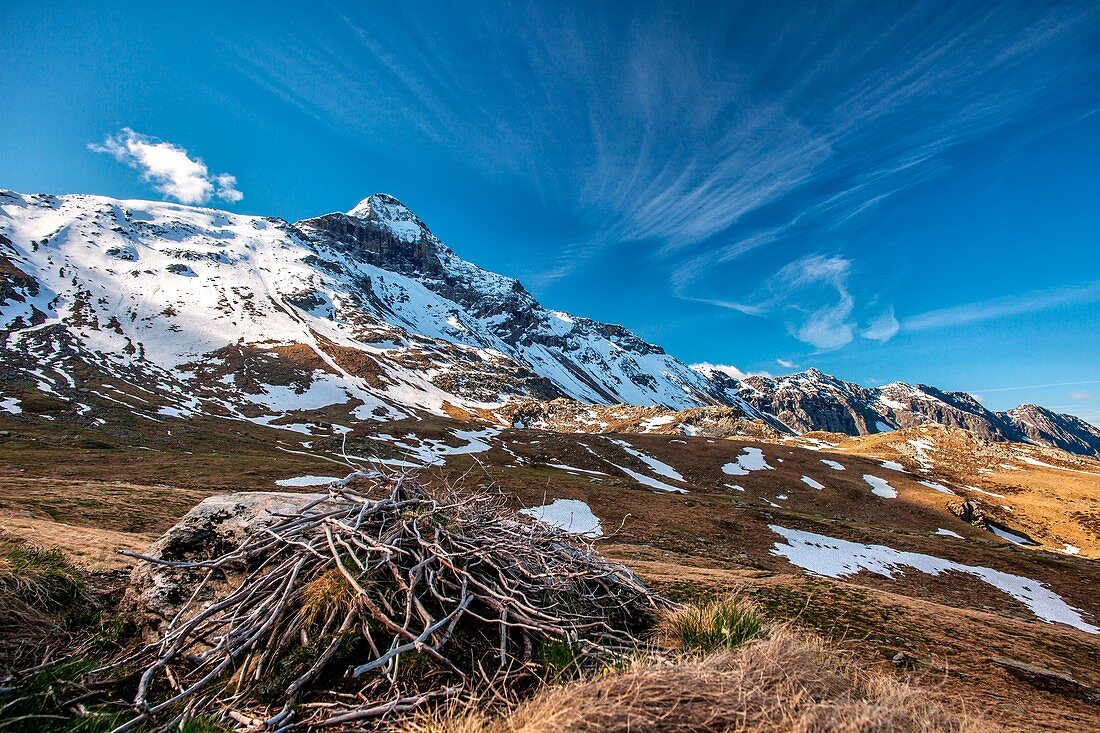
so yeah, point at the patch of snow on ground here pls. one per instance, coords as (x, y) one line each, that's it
(983, 491)
(883, 427)
(893, 466)
(307, 481)
(1071, 550)
(752, 460)
(652, 423)
(432, 452)
(11, 404)
(810, 482)
(949, 533)
(836, 558)
(648, 480)
(563, 467)
(1034, 462)
(937, 486)
(659, 468)
(1009, 535)
(832, 464)
(880, 487)
(571, 515)
(922, 448)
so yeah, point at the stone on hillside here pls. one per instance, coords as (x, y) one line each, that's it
(215, 526)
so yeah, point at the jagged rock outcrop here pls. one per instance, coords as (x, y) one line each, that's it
(1068, 432)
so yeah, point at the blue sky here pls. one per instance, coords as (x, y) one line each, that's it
(883, 190)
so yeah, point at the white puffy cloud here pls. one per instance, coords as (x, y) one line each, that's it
(169, 168)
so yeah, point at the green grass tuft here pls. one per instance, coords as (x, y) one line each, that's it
(720, 623)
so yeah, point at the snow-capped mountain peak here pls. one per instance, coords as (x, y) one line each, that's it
(388, 213)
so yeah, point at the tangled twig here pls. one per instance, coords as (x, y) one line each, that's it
(387, 597)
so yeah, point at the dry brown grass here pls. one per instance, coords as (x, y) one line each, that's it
(786, 683)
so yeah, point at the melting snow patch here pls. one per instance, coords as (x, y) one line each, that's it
(893, 466)
(1071, 550)
(879, 487)
(571, 515)
(883, 427)
(659, 468)
(652, 423)
(810, 482)
(1034, 462)
(11, 404)
(307, 481)
(922, 447)
(563, 467)
(752, 460)
(832, 464)
(938, 487)
(983, 491)
(1008, 534)
(836, 558)
(432, 452)
(949, 533)
(648, 480)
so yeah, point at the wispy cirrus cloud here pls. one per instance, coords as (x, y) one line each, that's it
(169, 168)
(723, 144)
(987, 310)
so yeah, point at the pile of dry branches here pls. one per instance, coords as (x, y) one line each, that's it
(380, 598)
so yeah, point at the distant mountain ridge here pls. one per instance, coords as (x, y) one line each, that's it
(363, 315)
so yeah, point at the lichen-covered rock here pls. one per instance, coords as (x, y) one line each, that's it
(215, 526)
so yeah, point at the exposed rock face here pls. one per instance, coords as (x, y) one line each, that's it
(1070, 433)
(970, 511)
(812, 400)
(215, 526)
(562, 415)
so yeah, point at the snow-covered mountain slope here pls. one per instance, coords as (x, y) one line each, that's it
(179, 310)
(254, 317)
(811, 400)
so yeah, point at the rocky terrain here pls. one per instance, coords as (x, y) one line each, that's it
(860, 539)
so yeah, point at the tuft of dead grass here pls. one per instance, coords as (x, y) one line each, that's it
(785, 683)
